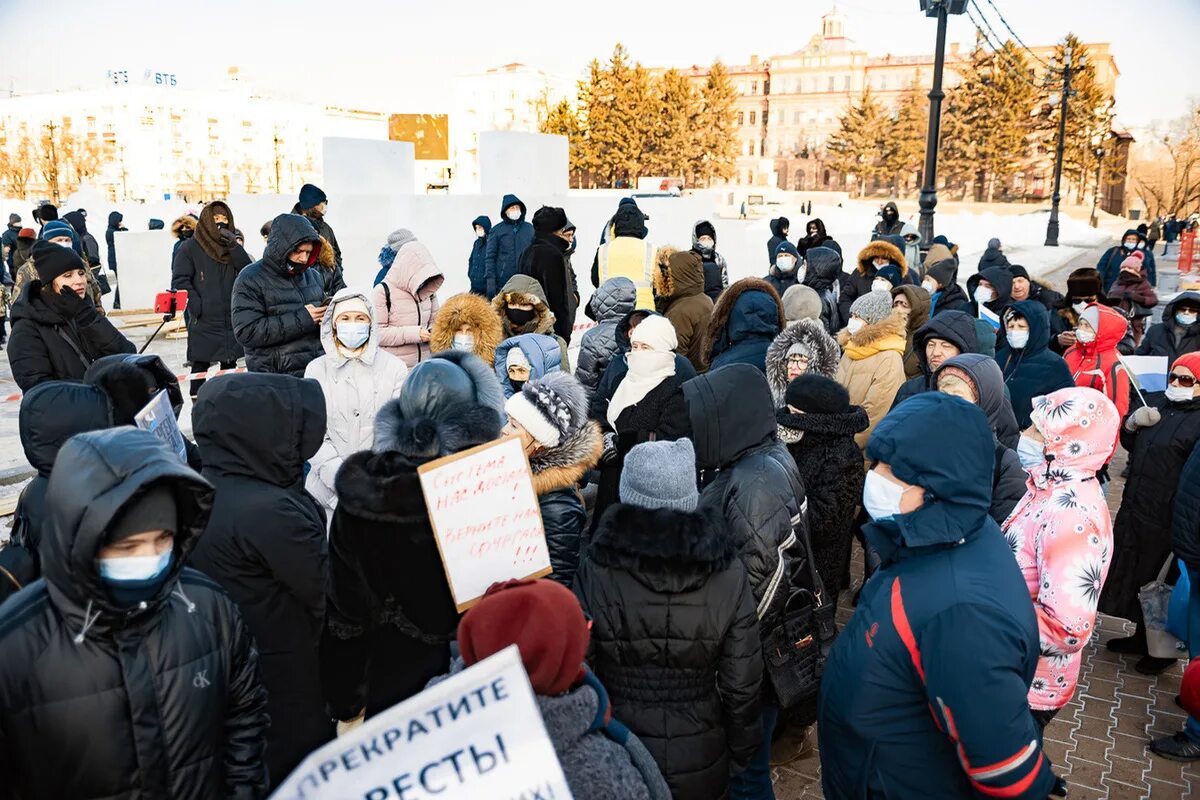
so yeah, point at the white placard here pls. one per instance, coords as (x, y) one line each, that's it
(477, 734)
(485, 517)
(159, 418)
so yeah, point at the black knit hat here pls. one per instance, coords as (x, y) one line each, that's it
(47, 212)
(311, 196)
(816, 394)
(549, 219)
(153, 510)
(1018, 271)
(52, 260)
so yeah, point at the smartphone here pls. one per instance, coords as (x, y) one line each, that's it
(170, 302)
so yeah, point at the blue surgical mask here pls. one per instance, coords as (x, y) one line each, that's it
(881, 497)
(1185, 318)
(353, 335)
(134, 568)
(464, 342)
(1031, 452)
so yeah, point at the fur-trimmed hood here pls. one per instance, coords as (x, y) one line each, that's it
(811, 333)
(663, 549)
(679, 274)
(881, 249)
(184, 226)
(739, 315)
(477, 314)
(327, 258)
(420, 438)
(888, 334)
(525, 290)
(565, 465)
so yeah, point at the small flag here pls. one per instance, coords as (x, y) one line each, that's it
(992, 319)
(1149, 372)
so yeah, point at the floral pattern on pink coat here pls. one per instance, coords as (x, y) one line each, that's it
(1061, 534)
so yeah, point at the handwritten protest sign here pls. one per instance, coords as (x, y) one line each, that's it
(158, 418)
(478, 734)
(485, 517)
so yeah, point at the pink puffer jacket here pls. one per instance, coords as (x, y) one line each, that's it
(412, 283)
(1062, 536)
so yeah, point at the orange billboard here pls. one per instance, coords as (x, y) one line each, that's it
(429, 133)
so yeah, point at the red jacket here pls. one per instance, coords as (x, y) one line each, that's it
(1095, 365)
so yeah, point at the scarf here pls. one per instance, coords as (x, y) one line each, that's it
(208, 235)
(647, 369)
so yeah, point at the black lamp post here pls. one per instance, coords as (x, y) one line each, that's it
(1052, 225)
(928, 201)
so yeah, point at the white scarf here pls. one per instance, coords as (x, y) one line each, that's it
(647, 369)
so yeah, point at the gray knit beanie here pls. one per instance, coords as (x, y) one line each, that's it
(801, 302)
(400, 237)
(661, 475)
(872, 307)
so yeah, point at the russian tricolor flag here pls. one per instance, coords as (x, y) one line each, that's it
(992, 319)
(1149, 372)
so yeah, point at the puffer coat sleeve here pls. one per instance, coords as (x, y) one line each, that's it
(1185, 522)
(739, 678)
(563, 518)
(1008, 484)
(246, 723)
(256, 327)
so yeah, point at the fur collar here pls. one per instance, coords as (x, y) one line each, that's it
(846, 423)
(565, 465)
(810, 333)
(663, 541)
(881, 249)
(719, 320)
(882, 335)
(421, 438)
(382, 487)
(476, 313)
(663, 281)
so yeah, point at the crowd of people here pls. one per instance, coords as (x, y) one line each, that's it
(703, 471)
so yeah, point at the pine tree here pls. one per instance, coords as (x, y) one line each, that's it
(857, 147)
(904, 144)
(562, 120)
(716, 153)
(674, 144)
(620, 114)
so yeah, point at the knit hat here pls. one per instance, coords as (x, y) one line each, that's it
(552, 408)
(52, 260)
(994, 243)
(661, 475)
(657, 332)
(311, 196)
(27, 233)
(47, 212)
(549, 219)
(55, 229)
(1018, 271)
(1189, 361)
(542, 618)
(816, 394)
(800, 348)
(153, 510)
(872, 307)
(355, 303)
(784, 247)
(1134, 261)
(516, 358)
(801, 302)
(890, 273)
(1085, 282)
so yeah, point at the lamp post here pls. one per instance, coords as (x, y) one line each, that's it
(928, 200)
(1052, 225)
(1098, 152)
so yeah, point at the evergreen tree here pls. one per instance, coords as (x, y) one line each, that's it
(674, 145)
(620, 116)
(904, 143)
(716, 153)
(562, 120)
(857, 147)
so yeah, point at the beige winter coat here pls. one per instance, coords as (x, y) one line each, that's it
(872, 368)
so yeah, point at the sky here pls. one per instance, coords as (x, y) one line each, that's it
(402, 56)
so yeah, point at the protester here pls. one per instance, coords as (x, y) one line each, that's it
(744, 322)
(183, 228)
(785, 272)
(660, 571)
(912, 247)
(889, 220)
(1026, 288)
(23, 252)
(816, 236)
(823, 275)
(609, 304)
(278, 301)
(525, 358)
(91, 249)
(993, 256)
(872, 365)
(549, 416)
(1177, 334)
(941, 281)
(406, 302)
(679, 286)
(8, 241)
(1110, 263)
(1133, 294)
(387, 254)
(115, 225)
(627, 254)
(332, 279)
(60, 233)
(312, 205)
(716, 273)
(1083, 289)
(506, 241)
(1094, 362)
(205, 265)
(875, 256)
(943, 337)
(1030, 368)
(57, 331)
(925, 689)
(265, 542)
(123, 673)
(477, 261)
(817, 423)
(991, 289)
(356, 377)
(522, 307)
(467, 322)
(914, 300)
(798, 349)
(618, 366)
(546, 260)
(802, 303)
(390, 615)
(779, 234)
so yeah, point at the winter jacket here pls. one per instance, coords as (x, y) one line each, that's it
(992, 257)
(872, 368)
(1033, 370)
(557, 472)
(1185, 517)
(830, 466)
(951, 296)
(779, 228)
(609, 304)
(209, 285)
(354, 390)
(924, 692)
(114, 225)
(406, 303)
(1097, 365)
(823, 360)
(99, 701)
(9, 239)
(716, 272)
(268, 309)
(325, 232)
(912, 250)
(547, 262)
(954, 327)
(654, 578)
(863, 276)
(524, 290)
(886, 228)
(1045, 294)
(1142, 530)
(542, 352)
(1063, 538)
(918, 315)
(506, 241)
(618, 367)
(744, 322)
(477, 261)
(822, 275)
(819, 238)
(1135, 297)
(265, 542)
(1167, 338)
(47, 346)
(478, 315)
(1109, 264)
(91, 249)
(627, 254)
(680, 287)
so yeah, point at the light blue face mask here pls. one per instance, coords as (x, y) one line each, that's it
(1030, 452)
(1185, 319)
(134, 568)
(353, 335)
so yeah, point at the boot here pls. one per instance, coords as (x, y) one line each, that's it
(1177, 748)
(1149, 665)
(1130, 645)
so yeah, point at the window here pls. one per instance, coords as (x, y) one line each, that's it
(796, 117)
(741, 118)
(846, 83)
(883, 82)
(765, 112)
(753, 87)
(762, 147)
(750, 148)
(830, 84)
(753, 114)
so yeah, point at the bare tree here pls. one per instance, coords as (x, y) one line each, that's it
(1169, 181)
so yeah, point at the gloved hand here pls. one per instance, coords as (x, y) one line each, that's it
(345, 726)
(610, 448)
(1144, 417)
(227, 237)
(69, 305)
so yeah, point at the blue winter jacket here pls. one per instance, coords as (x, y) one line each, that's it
(1034, 370)
(752, 324)
(543, 353)
(925, 691)
(477, 262)
(506, 242)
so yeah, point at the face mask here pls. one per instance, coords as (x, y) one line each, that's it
(1178, 394)
(464, 342)
(855, 325)
(879, 285)
(571, 247)
(513, 214)
(705, 243)
(480, 233)
(353, 335)
(134, 568)
(646, 362)
(519, 316)
(1131, 245)
(929, 286)
(1141, 245)
(1079, 307)
(516, 384)
(67, 245)
(1017, 339)
(224, 226)
(984, 295)
(881, 497)
(785, 263)
(1183, 318)
(1084, 336)
(1030, 452)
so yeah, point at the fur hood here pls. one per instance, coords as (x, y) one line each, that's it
(881, 249)
(844, 423)
(525, 290)
(811, 333)
(327, 258)
(476, 313)
(421, 438)
(186, 223)
(721, 331)
(890, 334)
(565, 465)
(664, 549)
(679, 274)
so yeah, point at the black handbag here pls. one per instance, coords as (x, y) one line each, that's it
(102, 279)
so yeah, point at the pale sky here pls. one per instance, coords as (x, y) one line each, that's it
(403, 55)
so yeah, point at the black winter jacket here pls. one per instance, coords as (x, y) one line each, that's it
(778, 237)
(255, 432)
(1185, 520)
(268, 311)
(1169, 338)
(47, 346)
(98, 701)
(114, 224)
(546, 262)
(476, 266)
(675, 641)
(557, 472)
(209, 285)
(609, 304)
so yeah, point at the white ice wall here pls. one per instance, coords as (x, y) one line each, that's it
(515, 161)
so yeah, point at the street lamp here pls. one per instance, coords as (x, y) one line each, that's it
(1098, 152)
(928, 201)
(1052, 225)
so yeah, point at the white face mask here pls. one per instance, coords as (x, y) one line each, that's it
(1030, 452)
(1131, 245)
(881, 497)
(1183, 318)
(1178, 394)
(1079, 307)
(66, 244)
(785, 263)
(855, 325)
(984, 294)
(1084, 336)
(464, 341)
(881, 285)
(353, 335)
(706, 242)
(513, 213)
(480, 233)
(929, 285)
(1017, 339)
(134, 568)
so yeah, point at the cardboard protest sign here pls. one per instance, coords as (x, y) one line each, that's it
(158, 418)
(476, 734)
(485, 517)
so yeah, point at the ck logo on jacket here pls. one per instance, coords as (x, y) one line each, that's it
(201, 680)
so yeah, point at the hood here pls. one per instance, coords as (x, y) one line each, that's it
(511, 199)
(841, 423)
(483, 221)
(824, 267)
(96, 475)
(289, 231)
(183, 225)
(988, 380)
(1112, 329)
(731, 413)
(1131, 232)
(131, 380)
(1080, 427)
(566, 465)
(615, 298)
(908, 229)
(1039, 325)
(992, 257)
(528, 292)
(53, 412)
(820, 226)
(1000, 278)
(919, 304)
(115, 218)
(542, 351)
(664, 549)
(956, 327)
(476, 313)
(629, 221)
(871, 339)
(703, 228)
(1168, 317)
(78, 221)
(330, 345)
(413, 271)
(749, 309)
(823, 359)
(891, 206)
(259, 426)
(682, 277)
(881, 248)
(778, 225)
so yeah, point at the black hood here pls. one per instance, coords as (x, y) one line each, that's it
(824, 267)
(663, 549)
(820, 226)
(259, 425)
(890, 211)
(53, 412)
(97, 474)
(778, 225)
(956, 327)
(115, 218)
(78, 222)
(731, 412)
(993, 398)
(289, 231)
(629, 221)
(1000, 278)
(132, 380)
(1168, 317)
